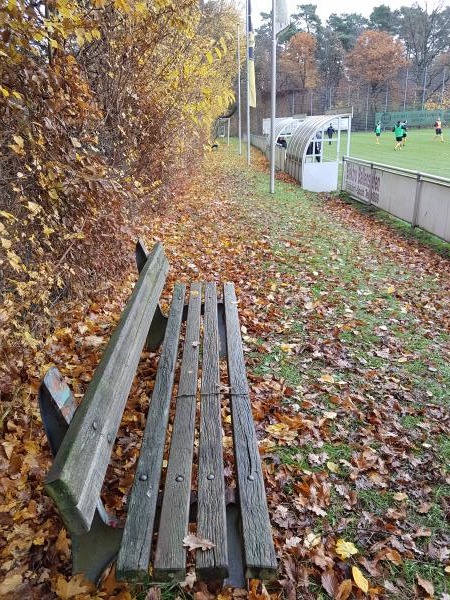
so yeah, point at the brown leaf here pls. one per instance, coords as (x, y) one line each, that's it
(426, 585)
(9, 584)
(330, 582)
(194, 542)
(66, 590)
(344, 589)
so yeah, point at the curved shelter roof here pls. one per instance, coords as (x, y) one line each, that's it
(302, 137)
(286, 126)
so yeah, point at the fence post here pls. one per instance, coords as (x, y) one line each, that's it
(416, 200)
(372, 174)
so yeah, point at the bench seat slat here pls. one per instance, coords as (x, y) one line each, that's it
(76, 477)
(134, 555)
(259, 552)
(170, 557)
(211, 521)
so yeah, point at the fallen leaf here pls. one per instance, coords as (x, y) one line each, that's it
(9, 584)
(292, 542)
(330, 582)
(360, 580)
(75, 586)
(193, 542)
(326, 378)
(344, 590)
(426, 585)
(333, 467)
(311, 539)
(345, 549)
(400, 496)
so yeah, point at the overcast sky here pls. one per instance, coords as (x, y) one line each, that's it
(326, 7)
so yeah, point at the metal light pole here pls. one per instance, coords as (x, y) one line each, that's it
(239, 90)
(273, 99)
(424, 84)
(248, 83)
(406, 87)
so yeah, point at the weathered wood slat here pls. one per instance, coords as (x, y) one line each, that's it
(76, 477)
(170, 557)
(259, 551)
(134, 555)
(211, 520)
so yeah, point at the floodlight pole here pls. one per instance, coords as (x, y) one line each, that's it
(248, 83)
(239, 90)
(273, 102)
(406, 88)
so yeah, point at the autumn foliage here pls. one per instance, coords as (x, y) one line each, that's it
(376, 58)
(104, 105)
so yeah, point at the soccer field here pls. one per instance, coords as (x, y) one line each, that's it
(422, 153)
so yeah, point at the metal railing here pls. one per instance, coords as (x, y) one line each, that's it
(421, 199)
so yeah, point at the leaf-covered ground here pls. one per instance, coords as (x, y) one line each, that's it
(346, 321)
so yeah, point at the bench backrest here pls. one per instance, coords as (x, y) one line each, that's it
(76, 477)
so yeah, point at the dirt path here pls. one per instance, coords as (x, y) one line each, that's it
(346, 325)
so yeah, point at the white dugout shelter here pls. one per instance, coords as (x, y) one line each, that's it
(310, 156)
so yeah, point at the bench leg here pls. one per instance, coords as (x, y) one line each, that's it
(236, 568)
(94, 551)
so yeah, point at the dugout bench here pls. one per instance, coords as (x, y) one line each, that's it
(81, 439)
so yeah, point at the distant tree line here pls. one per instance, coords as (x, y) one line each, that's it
(393, 60)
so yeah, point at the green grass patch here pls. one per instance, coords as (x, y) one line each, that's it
(376, 501)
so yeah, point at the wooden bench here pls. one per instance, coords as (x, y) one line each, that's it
(82, 441)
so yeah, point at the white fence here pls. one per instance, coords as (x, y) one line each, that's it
(418, 198)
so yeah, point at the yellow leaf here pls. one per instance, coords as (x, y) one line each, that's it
(285, 348)
(4, 91)
(400, 496)
(33, 207)
(360, 580)
(74, 236)
(5, 243)
(7, 215)
(325, 378)
(333, 467)
(48, 230)
(75, 142)
(66, 590)
(19, 140)
(53, 194)
(345, 549)
(447, 569)
(39, 540)
(391, 289)
(209, 57)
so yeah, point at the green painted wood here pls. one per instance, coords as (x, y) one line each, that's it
(76, 477)
(211, 520)
(170, 556)
(134, 555)
(259, 550)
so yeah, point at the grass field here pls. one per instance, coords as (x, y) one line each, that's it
(421, 152)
